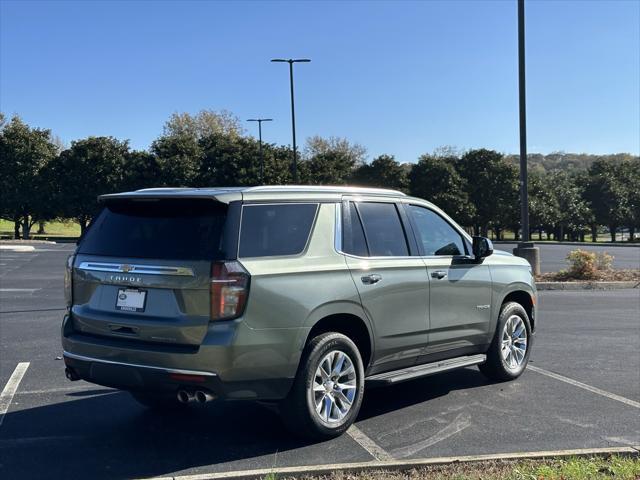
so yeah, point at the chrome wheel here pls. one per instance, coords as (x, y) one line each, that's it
(514, 342)
(334, 386)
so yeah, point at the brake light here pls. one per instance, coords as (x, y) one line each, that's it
(68, 280)
(229, 290)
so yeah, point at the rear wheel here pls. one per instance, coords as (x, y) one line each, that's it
(158, 401)
(509, 352)
(327, 393)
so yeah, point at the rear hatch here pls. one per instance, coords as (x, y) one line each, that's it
(142, 270)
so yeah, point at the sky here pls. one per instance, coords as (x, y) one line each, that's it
(401, 77)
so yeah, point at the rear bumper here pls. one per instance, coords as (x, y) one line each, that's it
(233, 362)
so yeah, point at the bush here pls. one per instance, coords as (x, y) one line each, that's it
(584, 265)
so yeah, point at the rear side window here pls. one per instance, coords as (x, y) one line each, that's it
(383, 229)
(353, 241)
(273, 230)
(162, 229)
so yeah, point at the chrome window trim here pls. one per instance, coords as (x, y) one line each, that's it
(136, 268)
(135, 365)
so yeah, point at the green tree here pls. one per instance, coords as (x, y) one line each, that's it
(436, 179)
(90, 167)
(142, 170)
(229, 160)
(574, 217)
(203, 124)
(607, 193)
(330, 161)
(179, 158)
(629, 171)
(492, 185)
(384, 171)
(543, 204)
(24, 152)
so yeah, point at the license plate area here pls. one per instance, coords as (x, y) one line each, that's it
(131, 300)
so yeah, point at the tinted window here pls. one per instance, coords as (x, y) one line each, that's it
(163, 229)
(270, 230)
(383, 229)
(435, 235)
(353, 239)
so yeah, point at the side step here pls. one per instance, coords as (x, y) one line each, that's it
(417, 371)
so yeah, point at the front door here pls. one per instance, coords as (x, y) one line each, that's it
(460, 296)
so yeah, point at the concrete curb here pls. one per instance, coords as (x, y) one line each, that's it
(26, 242)
(403, 465)
(586, 285)
(18, 248)
(579, 244)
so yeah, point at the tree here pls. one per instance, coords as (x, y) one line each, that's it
(330, 161)
(203, 124)
(607, 193)
(89, 168)
(437, 180)
(573, 214)
(179, 159)
(384, 171)
(142, 170)
(630, 173)
(544, 210)
(24, 152)
(229, 160)
(492, 188)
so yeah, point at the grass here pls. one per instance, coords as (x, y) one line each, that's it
(595, 468)
(53, 229)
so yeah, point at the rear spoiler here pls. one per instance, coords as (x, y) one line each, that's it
(151, 194)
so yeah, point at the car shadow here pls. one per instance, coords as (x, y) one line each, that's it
(108, 435)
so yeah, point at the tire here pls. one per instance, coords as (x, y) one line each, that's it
(339, 402)
(503, 365)
(158, 401)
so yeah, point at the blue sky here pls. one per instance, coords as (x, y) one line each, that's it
(398, 77)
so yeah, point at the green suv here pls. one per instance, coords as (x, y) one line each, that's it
(294, 295)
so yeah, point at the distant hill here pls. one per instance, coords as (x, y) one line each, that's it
(568, 161)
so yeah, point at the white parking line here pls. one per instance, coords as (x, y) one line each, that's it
(16, 290)
(575, 383)
(375, 450)
(10, 388)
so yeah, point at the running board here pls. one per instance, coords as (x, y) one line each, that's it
(417, 371)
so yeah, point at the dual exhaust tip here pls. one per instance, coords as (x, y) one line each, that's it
(199, 396)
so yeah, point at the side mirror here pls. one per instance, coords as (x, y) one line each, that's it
(482, 247)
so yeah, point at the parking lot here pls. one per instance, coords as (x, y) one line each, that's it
(582, 391)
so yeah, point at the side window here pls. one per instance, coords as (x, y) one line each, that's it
(435, 235)
(272, 230)
(353, 241)
(383, 229)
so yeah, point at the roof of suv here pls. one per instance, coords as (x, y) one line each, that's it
(267, 192)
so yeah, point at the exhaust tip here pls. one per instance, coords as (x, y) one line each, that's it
(203, 397)
(184, 396)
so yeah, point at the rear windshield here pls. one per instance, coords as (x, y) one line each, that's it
(163, 229)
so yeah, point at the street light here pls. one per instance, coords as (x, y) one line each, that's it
(260, 120)
(525, 248)
(291, 61)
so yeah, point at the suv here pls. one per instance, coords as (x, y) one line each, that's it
(295, 295)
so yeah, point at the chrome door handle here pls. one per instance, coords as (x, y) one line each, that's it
(371, 279)
(439, 274)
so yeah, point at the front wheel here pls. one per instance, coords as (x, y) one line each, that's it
(327, 393)
(508, 354)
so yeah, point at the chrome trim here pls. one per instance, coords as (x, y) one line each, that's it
(135, 365)
(136, 269)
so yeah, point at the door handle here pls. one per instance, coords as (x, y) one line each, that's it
(439, 274)
(371, 279)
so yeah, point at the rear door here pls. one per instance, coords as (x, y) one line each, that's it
(460, 299)
(142, 271)
(393, 284)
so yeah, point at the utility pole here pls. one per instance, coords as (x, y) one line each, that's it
(260, 120)
(291, 61)
(525, 248)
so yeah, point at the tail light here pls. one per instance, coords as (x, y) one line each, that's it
(68, 280)
(229, 290)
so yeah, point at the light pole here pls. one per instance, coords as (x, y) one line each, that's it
(525, 248)
(260, 120)
(291, 61)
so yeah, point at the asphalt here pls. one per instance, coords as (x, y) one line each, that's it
(58, 429)
(553, 256)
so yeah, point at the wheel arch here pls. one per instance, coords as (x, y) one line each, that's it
(524, 297)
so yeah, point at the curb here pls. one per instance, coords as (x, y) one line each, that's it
(25, 242)
(579, 244)
(586, 285)
(402, 465)
(18, 248)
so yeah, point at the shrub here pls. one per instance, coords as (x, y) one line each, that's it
(584, 265)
